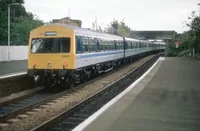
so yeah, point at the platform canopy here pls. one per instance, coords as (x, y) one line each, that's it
(156, 35)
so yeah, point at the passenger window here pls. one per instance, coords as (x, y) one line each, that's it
(126, 45)
(107, 45)
(92, 44)
(134, 44)
(110, 45)
(138, 44)
(85, 44)
(115, 45)
(121, 45)
(98, 45)
(101, 45)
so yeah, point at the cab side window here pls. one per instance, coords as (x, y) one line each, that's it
(79, 44)
(65, 45)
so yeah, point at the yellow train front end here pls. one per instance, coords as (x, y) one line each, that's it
(51, 54)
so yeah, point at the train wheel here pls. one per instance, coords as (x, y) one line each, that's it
(96, 73)
(67, 84)
(71, 85)
(86, 77)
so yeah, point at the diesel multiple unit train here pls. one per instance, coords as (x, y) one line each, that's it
(67, 55)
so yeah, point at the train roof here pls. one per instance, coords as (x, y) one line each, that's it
(86, 32)
(131, 39)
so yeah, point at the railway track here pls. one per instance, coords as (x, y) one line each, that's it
(11, 109)
(14, 84)
(71, 118)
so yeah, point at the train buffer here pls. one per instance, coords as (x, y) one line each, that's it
(166, 99)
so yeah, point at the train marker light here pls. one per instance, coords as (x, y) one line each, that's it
(65, 63)
(34, 65)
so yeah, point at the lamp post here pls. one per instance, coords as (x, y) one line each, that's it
(193, 51)
(9, 29)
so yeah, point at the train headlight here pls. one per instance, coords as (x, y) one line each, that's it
(65, 64)
(49, 64)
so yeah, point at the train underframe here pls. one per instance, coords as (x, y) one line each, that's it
(70, 78)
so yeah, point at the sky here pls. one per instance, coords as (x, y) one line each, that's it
(137, 14)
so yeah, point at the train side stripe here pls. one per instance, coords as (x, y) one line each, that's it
(97, 54)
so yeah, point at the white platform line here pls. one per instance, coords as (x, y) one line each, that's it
(85, 123)
(12, 75)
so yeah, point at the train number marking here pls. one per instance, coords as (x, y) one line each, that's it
(64, 56)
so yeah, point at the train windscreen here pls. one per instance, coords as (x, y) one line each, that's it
(50, 45)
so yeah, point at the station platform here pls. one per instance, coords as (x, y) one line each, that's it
(166, 99)
(13, 67)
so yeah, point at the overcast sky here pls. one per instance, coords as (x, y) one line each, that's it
(138, 14)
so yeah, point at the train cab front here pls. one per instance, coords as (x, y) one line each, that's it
(51, 56)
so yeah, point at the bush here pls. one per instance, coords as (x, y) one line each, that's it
(171, 50)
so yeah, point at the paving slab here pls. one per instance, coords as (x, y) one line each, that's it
(12, 67)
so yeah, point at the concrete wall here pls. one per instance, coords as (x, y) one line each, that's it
(16, 53)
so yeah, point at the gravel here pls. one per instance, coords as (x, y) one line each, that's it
(69, 100)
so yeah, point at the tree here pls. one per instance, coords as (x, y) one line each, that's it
(15, 12)
(22, 30)
(22, 22)
(118, 28)
(194, 31)
(96, 26)
(123, 29)
(189, 39)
